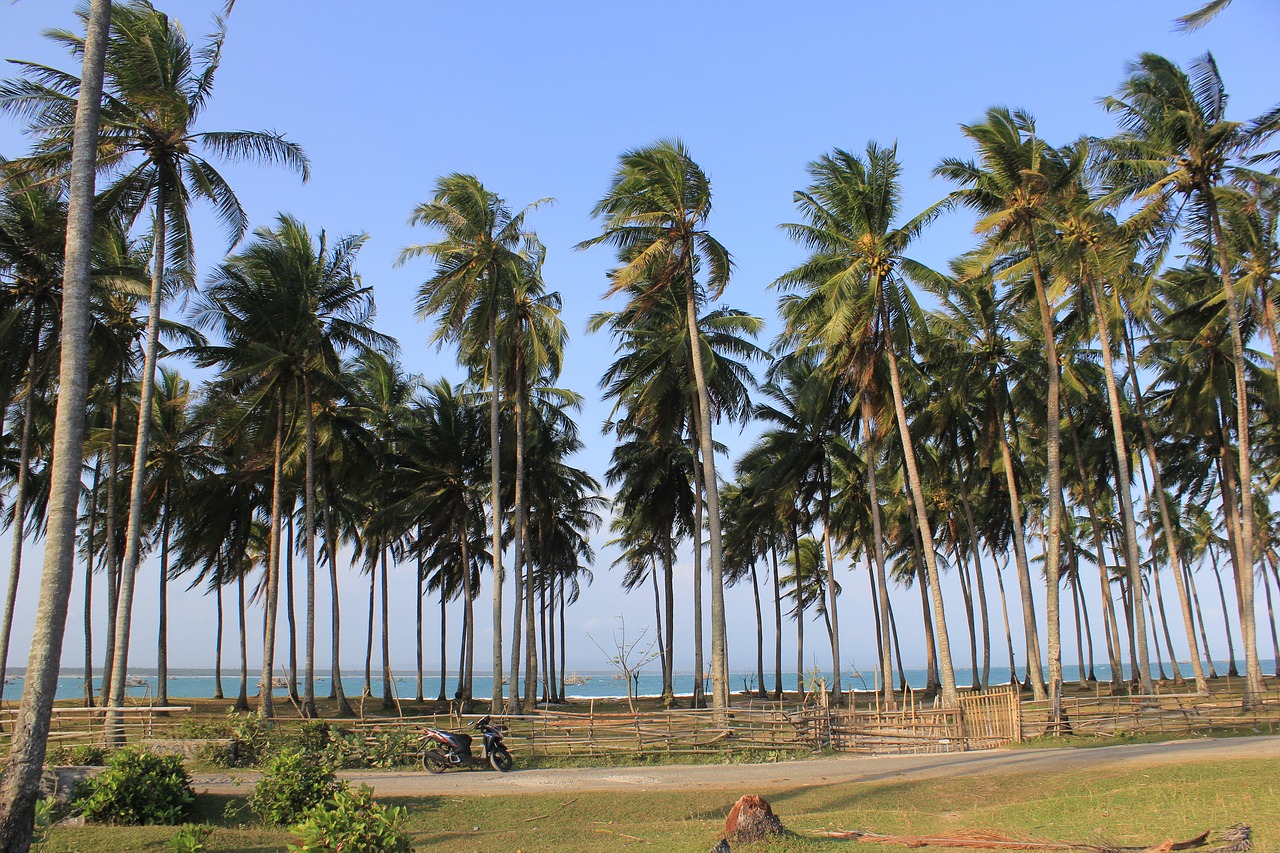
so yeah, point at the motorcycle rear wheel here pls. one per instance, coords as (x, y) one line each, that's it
(502, 761)
(432, 764)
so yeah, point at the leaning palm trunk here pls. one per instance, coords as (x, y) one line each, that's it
(1254, 688)
(133, 534)
(31, 730)
(950, 699)
(19, 513)
(266, 705)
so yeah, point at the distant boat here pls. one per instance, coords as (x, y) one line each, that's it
(136, 681)
(576, 679)
(12, 679)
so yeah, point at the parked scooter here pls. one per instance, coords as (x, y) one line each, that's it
(456, 750)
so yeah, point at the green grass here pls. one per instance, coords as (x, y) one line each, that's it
(1142, 806)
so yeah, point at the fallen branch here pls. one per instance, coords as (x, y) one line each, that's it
(991, 841)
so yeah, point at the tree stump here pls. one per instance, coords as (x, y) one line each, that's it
(751, 819)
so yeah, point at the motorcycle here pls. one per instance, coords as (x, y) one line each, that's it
(456, 750)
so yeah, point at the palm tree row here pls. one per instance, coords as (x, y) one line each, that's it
(913, 418)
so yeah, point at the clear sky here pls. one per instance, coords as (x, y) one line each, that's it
(538, 99)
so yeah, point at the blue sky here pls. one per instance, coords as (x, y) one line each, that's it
(538, 99)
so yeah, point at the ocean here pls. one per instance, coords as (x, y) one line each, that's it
(199, 683)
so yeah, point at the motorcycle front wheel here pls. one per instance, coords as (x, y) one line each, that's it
(502, 761)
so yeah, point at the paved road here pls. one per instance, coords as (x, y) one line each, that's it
(787, 774)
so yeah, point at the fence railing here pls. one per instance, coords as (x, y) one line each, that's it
(68, 726)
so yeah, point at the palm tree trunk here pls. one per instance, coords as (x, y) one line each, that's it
(1164, 628)
(777, 625)
(1204, 636)
(309, 708)
(1232, 670)
(242, 700)
(950, 699)
(417, 634)
(469, 632)
(1034, 671)
(548, 648)
(342, 706)
(133, 535)
(962, 572)
(1155, 639)
(1255, 688)
(368, 644)
(1075, 604)
(699, 666)
(1110, 627)
(88, 583)
(669, 626)
(111, 558)
(563, 647)
(1271, 613)
(977, 571)
(877, 549)
(755, 595)
(217, 654)
(1166, 522)
(719, 652)
(444, 644)
(932, 682)
(388, 699)
(1008, 634)
(266, 706)
(31, 729)
(495, 498)
(1053, 417)
(897, 649)
(513, 702)
(290, 613)
(162, 648)
(833, 624)
(19, 513)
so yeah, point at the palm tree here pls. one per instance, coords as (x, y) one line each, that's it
(1012, 187)
(31, 730)
(655, 215)
(156, 88)
(1176, 143)
(478, 260)
(855, 278)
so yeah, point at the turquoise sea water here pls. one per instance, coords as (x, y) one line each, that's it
(199, 683)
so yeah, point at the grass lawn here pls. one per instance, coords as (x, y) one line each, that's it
(1124, 807)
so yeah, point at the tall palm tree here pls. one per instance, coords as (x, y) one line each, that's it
(1177, 144)
(1012, 186)
(156, 87)
(478, 260)
(655, 214)
(856, 279)
(31, 731)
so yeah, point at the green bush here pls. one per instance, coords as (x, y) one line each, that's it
(138, 787)
(351, 822)
(292, 782)
(396, 747)
(78, 755)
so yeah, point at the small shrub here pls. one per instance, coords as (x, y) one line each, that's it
(351, 822)
(191, 839)
(313, 736)
(138, 787)
(78, 755)
(292, 782)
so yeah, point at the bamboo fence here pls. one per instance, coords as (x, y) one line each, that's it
(70, 726)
